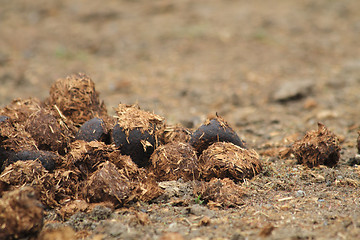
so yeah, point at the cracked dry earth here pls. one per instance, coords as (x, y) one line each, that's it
(271, 69)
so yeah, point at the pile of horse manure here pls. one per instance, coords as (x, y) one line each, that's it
(71, 154)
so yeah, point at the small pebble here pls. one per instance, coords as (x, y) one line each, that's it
(3, 118)
(300, 193)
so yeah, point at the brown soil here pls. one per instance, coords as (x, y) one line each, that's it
(271, 69)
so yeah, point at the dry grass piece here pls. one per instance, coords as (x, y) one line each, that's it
(76, 98)
(173, 161)
(222, 191)
(226, 160)
(107, 184)
(21, 214)
(214, 130)
(319, 147)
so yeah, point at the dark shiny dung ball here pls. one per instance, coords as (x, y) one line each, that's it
(92, 130)
(137, 143)
(47, 159)
(214, 130)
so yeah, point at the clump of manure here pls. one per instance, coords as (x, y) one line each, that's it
(214, 130)
(316, 148)
(226, 160)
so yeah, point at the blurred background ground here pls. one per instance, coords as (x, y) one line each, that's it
(270, 68)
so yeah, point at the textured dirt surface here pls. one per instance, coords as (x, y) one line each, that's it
(272, 69)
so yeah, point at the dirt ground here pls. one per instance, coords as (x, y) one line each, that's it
(272, 69)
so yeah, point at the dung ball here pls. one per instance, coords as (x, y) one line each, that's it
(214, 130)
(316, 148)
(14, 137)
(173, 161)
(77, 99)
(227, 160)
(107, 184)
(48, 159)
(47, 131)
(86, 156)
(21, 214)
(93, 130)
(138, 144)
(135, 132)
(19, 109)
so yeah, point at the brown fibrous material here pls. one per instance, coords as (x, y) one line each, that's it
(53, 188)
(21, 214)
(20, 109)
(226, 160)
(30, 173)
(13, 137)
(108, 184)
(132, 117)
(316, 148)
(76, 98)
(68, 184)
(175, 133)
(46, 130)
(125, 164)
(121, 185)
(146, 187)
(173, 161)
(222, 191)
(87, 155)
(23, 172)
